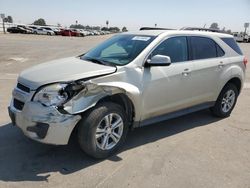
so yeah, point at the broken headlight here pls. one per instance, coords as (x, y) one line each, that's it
(57, 94)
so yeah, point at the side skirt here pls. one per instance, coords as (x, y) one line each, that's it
(176, 114)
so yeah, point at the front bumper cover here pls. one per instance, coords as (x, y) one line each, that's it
(44, 124)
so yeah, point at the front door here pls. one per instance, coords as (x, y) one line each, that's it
(168, 88)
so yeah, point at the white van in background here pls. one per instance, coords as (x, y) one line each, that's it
(238, 37)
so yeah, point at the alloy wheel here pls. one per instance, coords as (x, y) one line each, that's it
(228, 101)
(109, 131)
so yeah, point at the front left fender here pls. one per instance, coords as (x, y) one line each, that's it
(94, 92)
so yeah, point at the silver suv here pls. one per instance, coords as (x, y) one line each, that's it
(130, 80)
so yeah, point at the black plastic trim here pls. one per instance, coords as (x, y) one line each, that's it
(178, 113)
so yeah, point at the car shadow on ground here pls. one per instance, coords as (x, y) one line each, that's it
(24, 160)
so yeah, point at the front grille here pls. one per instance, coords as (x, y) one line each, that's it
(18, 104)
(23, 88)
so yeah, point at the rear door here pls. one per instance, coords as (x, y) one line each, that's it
(208, 61)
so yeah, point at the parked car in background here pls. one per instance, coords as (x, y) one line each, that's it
(28, 29)
(239, 37)
(55, 30)
(246, 38)
(83, 33)
(70, 32)
(91, 33)
(33, 27)
(43, 31)
(16, 30)
(96, 32)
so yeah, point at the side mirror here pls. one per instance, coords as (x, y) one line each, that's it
(159, 60)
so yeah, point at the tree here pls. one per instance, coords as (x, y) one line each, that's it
(88, 27)
(104, 29)
(214, 26)
(229, 31)
(40, 21)
(114, 29)
(77, 26)
(124, 29)
(111, 29)
(96, 28)
(8, 19)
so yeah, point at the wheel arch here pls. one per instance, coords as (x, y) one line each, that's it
(124, 101)
(237, 82)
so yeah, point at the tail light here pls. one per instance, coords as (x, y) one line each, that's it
(245, 61)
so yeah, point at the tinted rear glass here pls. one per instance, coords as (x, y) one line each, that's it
(220, 52)
(231, 42)
(203, 48)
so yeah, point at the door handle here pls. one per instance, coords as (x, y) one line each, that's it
(221, 65)
(186, 72)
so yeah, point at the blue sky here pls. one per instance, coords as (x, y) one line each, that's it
(133, 14)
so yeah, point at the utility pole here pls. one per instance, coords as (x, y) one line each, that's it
(246, 25)
(107, 23)
(3, 16)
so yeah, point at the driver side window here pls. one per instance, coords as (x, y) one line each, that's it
(175, 48)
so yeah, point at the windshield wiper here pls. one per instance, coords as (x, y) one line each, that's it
(98, 61)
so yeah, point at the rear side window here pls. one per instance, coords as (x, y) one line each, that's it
(231, 42)
(203, 48)
(220, 52)
(175, 48)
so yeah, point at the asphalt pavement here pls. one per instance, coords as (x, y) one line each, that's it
(196, 150)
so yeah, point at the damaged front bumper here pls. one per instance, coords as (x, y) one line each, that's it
(44, 124)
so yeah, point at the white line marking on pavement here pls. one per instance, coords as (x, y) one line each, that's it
(8, 76)
(19, 59)
(16, 60)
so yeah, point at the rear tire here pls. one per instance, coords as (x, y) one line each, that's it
(226, 101)
(103, 130)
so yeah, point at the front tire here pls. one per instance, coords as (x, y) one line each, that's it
(226, 101)
(103, 130)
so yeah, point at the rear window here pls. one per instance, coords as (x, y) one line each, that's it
(203, 48)
(231, 42)
(220, 52)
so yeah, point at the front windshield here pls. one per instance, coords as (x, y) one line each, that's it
(120, 49)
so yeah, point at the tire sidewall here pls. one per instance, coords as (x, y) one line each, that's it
(87, 129)
(223, 92)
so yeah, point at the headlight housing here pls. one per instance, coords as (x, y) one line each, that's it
(57, 94)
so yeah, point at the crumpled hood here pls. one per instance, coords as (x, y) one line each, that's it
(62, 70)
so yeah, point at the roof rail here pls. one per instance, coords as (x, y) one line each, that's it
(202, 29)
(154, 28)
